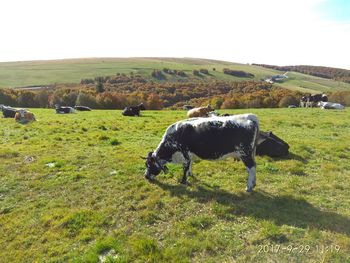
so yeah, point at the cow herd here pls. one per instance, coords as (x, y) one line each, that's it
(205, 135)
(319, 100)
(20, 115)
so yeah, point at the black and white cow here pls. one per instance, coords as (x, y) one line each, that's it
(8, 112)
(133, 110)
(82, 108)
(64, 109)
(210, 138)
(312, 100)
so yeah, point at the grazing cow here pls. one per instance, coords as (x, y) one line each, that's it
(312, 100)
(330, 105)
(24, 116)
(207, 138)
(187, 107)
(64, 109)
(82, 108)
(8, 112)
(199, 112)
(133, 110)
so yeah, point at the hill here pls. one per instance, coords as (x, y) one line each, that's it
(323, 72)
(72, 190)
(42, 73)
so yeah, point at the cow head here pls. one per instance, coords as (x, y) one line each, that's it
(141, 106)
(154, 166)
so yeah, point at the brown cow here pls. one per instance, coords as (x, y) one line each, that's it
(24, 116)
(199, 112)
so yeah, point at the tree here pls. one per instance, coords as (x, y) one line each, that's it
(84, 99)
(26, 99)
(154, 102)
(100, 87)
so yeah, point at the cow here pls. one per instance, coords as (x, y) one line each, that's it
(199, 112)
(8, 112)
(330, 105)
(133, 110)
(187, 107)
(210, 138)
(24, 116)
(82, 108)
(312, 100)
(64, 109)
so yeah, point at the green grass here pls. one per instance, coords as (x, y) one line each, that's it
(92, 201)
(31, 73)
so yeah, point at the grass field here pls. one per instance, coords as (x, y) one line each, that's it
(41, 73)
(72, 190)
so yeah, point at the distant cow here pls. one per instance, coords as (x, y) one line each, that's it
(24, 116)
(8, 112)
(82, 108)
(133, 110)
(187, 107)
(199, 112)
(330, 105)
(64, 109)
(312, 100)
(211, 138)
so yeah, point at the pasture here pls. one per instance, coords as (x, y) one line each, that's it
(72, 190)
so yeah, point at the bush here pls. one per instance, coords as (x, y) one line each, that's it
(288, 100)
(238, 73)
(158, 75)
(204, 71)
(196, 72)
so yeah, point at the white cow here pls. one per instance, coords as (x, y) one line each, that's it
(330, 105)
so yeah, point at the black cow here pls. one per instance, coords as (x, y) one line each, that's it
(312, 100)
(187, 107)
(133, 110)
(64, 109)
(210, 138)
(8, 112)
(82, 108)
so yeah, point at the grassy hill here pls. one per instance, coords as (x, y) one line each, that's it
(72, 190)
(32, 73)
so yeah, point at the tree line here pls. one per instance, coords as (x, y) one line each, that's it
(121, 90)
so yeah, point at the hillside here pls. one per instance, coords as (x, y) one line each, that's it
(41, 73)
(323, 72)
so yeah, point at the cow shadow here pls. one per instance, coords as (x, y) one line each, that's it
(282, 210)
(291, 156)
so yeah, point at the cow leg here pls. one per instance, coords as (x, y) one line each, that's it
(250, 164)
(187, 167)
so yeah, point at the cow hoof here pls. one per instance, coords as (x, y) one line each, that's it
(183, 182)
(249, 189)
(149, 179)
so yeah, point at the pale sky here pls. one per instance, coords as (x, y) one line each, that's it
(279, 32)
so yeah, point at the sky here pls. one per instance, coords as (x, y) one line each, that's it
(278, 32)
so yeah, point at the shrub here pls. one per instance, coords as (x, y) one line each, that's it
(196, 72)
(204, 71)
(238, 73)
(158, 75)
(287, 100)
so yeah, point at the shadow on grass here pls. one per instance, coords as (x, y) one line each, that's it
(283, 210)
(291, 156)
